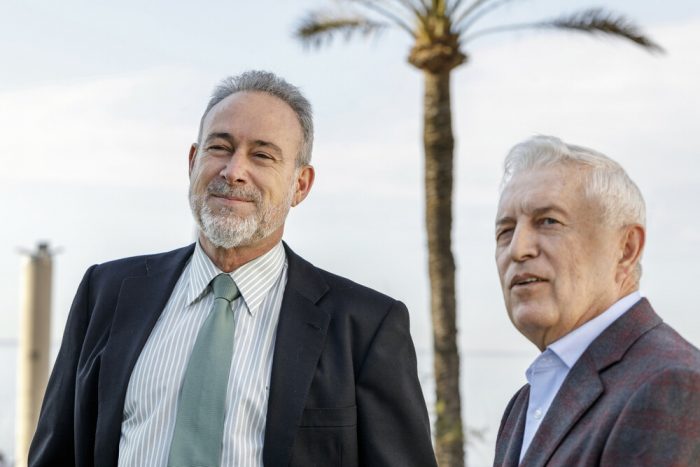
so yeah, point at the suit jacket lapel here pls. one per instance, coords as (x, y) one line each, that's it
(580, 390)
(510, 438)
(583, 386)
(301, 333)
(140, 303)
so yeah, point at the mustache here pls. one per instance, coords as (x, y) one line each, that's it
(221, 188)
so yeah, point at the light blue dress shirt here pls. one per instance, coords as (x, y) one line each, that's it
(550, 368)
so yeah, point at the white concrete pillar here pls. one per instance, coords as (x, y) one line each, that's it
(34, 346)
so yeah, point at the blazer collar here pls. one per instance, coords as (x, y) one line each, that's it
(583, 385)
(613, 343)
(304, 277)
(141, 300)
(301, 333)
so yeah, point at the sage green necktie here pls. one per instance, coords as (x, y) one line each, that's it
(201, 409)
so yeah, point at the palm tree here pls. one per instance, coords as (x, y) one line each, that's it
(440, 31)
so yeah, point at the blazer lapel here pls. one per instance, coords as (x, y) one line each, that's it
(583, 386)
(580, 390)
(301, 333)
(140, 303)
(510, 439)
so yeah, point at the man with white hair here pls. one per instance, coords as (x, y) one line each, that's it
(235, 351)
(613, 385)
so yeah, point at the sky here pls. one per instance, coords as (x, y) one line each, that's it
(100, 101)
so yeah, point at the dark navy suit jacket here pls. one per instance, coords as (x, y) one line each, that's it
(344, 388)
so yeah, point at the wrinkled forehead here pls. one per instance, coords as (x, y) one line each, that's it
(538, 187)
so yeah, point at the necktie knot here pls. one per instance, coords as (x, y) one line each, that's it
(224, 287)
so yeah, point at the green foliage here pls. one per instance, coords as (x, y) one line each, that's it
(599, 21)
(317, 28)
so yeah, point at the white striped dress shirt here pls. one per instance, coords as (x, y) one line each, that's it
(151, 398)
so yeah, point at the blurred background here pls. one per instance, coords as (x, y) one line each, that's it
(100, 101)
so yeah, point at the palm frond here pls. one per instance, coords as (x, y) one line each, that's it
(599, 21)
(452, 7)
(591, 21)
(468, 11)
(391, 15)
(466, 21)
(417, 7)
(420, 11)
(318, 28)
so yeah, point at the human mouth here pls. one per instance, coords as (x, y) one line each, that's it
(524, 280)
(231, 197)
(225, 193)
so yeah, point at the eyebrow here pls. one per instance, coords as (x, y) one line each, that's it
(546, 209)
(268, 144)
(229, 138)
(504, 220)
(223, 135)
(534, 212)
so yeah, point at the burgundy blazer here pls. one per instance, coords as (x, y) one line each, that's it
(344, 388)
(632, 399)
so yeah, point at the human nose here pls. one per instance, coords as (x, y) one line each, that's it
(235, 169)
(523, 244)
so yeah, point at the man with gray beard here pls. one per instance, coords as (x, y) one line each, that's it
(234, 351)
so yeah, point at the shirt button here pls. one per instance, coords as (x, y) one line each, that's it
(538, 414)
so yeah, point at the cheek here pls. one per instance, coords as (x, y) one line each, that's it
(200, 176)
(501, 264)
(195, 182)
(573, 282)
(274, 188)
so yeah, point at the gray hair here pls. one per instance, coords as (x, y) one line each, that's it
(269, 83)
(605, 180)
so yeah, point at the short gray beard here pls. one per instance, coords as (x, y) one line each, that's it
(225, 229)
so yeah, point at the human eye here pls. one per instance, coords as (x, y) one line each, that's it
(503, 234)
(549, 221)
(263, 157)
(218, 149)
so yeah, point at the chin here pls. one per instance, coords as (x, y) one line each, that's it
(532, 318)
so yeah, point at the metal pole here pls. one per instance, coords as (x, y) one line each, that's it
(34, 346)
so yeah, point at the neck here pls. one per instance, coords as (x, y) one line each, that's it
(628, 286)
(230, 259)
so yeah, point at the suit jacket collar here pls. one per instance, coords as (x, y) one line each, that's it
(141, 300)
(301, 333)
(583, 385)
(611, 346)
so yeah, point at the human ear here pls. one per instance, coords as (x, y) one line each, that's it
(631, 248)
(304, 181)
(192, 156)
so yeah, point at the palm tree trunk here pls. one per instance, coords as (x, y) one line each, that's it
(439, 146)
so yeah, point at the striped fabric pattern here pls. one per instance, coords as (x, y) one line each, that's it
(151, 398)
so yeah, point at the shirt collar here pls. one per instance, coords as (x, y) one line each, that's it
(546, 361)
(570, 347)
(253, 279)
